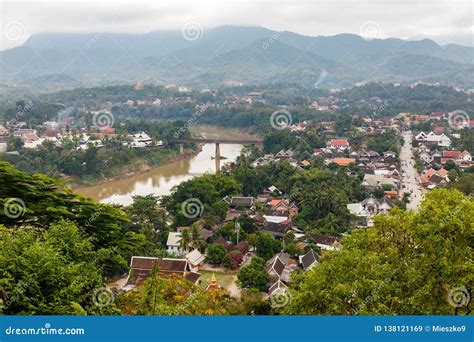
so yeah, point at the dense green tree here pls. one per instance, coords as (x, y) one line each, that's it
(200, 196)
(390, 141)
(254, 275)
(465, 183)
(466, 141)
(267, 246)
(37, 200)
(247, 176)
(323, 196)
(215, 254)
(409, 263)
(276, 140)
(147, 218)
(247, 224)
(229, 232)
(48, 272)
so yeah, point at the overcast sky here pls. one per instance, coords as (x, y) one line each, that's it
(446, 21)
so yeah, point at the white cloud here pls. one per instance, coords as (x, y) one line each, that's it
(443, 20)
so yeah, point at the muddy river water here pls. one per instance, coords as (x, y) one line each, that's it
(161, 179)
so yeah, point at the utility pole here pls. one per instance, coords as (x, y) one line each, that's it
(237, 228)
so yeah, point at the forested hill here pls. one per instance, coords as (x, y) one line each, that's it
(244, 54)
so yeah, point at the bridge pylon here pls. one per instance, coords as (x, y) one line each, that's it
(218, 157)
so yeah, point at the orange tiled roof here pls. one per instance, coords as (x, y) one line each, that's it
(442, 172)
(339, 142)
(451, 154)
(344, 161)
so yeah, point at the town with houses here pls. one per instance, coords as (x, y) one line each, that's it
(169, 171)
(57, 133)
(422, 162)
(309, 173)
(419, 161)
(389, 176)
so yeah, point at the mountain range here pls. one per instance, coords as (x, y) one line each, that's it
(251, 55)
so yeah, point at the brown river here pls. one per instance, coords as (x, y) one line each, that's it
(161, 179)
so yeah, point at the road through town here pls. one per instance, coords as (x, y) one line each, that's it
(409, 173)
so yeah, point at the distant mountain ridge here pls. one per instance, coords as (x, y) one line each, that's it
(251, 55)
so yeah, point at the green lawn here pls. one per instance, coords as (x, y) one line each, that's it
(223, 279)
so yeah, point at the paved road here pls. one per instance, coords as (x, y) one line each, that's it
(409, 174)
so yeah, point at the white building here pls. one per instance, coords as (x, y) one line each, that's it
(140, 140)
(368, 208)
(441, 140)
(173, 243)
(195, 259)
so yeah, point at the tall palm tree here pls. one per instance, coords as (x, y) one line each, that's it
(185, 240)
(196, 240)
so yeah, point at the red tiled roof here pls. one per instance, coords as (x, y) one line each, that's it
(430, 172)
(30, 137)
(442, 172)
(344, 161)
(423, 117)
(51, 133)
(108, 130)
(339, 142)
(275, 201)
(451, 154)
(424, 180)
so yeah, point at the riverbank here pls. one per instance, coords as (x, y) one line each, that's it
(142, 166)
(137, 168)
(161, 179)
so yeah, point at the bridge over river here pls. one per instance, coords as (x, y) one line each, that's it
(217, 142)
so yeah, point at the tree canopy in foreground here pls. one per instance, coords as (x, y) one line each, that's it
(409, 263)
